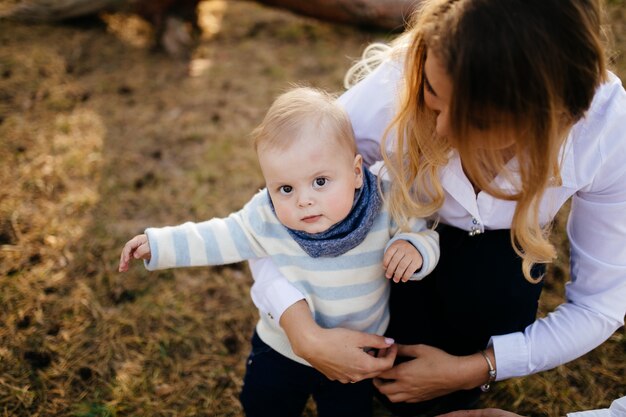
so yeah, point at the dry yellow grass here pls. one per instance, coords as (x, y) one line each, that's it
(100, 138)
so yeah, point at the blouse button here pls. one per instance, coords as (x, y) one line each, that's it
(475, 230)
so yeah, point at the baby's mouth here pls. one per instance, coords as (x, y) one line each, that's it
(311, 219)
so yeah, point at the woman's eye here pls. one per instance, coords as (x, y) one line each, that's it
(480, 124)
(319, 182)
(286, 189)
(428, 87)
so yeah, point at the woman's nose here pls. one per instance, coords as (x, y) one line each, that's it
(443, 123)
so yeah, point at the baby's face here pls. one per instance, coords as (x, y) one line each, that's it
(311, 183)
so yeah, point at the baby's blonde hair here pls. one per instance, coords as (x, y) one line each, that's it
(298, 109)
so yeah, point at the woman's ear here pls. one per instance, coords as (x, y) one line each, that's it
(358, 170)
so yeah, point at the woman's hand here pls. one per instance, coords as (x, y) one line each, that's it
(431, 373)
(485, 412)
(340, 354)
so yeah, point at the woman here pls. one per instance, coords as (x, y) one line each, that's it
(494, 113)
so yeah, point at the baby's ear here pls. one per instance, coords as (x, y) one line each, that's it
(358, 170)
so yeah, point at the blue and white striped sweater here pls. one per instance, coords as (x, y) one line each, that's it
(347, 291)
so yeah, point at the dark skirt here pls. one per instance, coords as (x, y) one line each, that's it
(476, 291)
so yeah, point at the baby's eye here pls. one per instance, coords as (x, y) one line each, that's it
(285, 189)
(319, 182)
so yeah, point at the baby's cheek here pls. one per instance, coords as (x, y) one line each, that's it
(284, 215)
(340, 206)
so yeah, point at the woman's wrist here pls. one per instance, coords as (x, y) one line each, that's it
(476, 369)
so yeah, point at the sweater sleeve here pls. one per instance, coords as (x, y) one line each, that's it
(217, 241)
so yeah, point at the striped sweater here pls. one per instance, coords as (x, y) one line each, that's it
(348, 291)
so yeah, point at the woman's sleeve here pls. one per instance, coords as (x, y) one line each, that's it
(596, 295)
(617, 409)
(271, 292)
(369, 106)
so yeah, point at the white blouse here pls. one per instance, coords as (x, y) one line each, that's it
(617, 409)
(593, 171)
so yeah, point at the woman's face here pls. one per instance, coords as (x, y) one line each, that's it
(437, 97)
(438, 92)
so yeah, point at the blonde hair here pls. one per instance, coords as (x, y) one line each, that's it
(524, 69)
(298, 109)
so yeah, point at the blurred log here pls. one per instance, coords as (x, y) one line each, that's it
(55, 10)
(174, 21)
(382, 14)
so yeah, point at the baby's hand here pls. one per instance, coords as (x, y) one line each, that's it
(401, 260)
(138, 248)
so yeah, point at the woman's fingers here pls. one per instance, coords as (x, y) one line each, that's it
(368, 340)
(368, 366)
(486, 412)
(430, 373)
(410, 351)
(342, 354)
(395, 390)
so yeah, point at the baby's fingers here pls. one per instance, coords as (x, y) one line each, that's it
(137, 247)
(125, 257)
(413, 267)
(403, 269)
(142, 252)
(123, 267)
(389, 255)
(394, 264)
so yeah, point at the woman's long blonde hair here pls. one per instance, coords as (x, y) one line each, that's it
(522, 70)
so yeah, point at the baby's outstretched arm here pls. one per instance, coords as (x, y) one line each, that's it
(138, 248)
(401, 261)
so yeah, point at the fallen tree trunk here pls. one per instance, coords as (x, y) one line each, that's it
(382, 14)
(56, 10)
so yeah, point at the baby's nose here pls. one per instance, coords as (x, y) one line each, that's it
(304, 200)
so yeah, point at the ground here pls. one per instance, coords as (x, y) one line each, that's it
(100, 137)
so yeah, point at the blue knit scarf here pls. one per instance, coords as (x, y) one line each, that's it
(349, 232)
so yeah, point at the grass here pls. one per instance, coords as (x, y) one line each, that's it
(100, 138)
